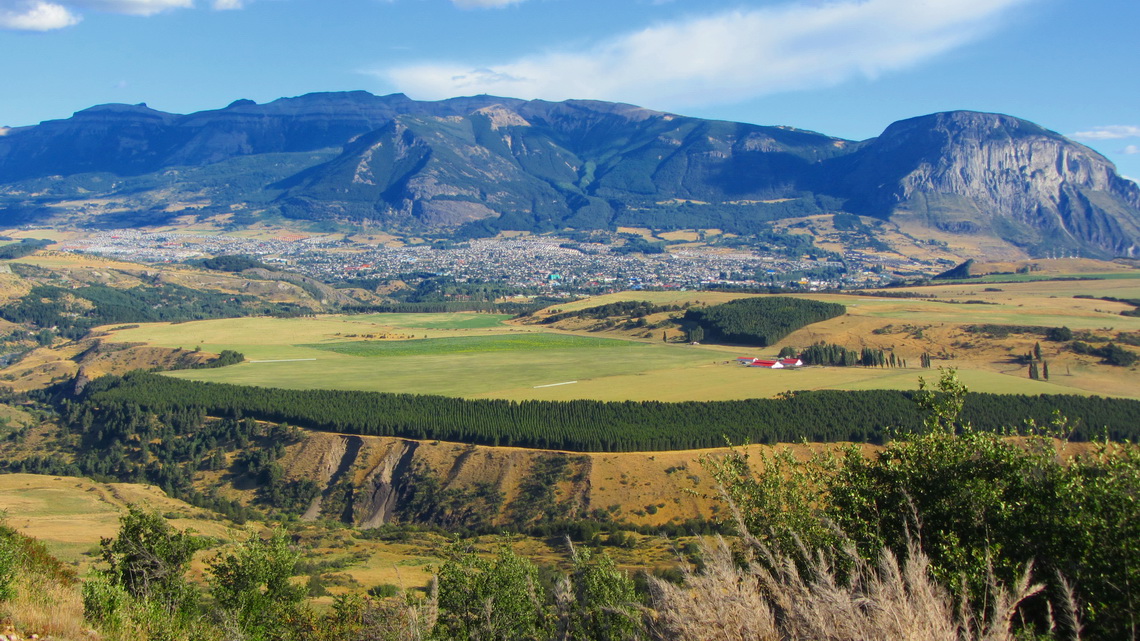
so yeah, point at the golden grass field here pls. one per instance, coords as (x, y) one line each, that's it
(648, 369)
(70, 515)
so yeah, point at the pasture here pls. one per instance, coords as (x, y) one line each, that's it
(70, 515)
(485, 356)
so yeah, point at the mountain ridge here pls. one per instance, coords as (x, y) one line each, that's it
(482, 164)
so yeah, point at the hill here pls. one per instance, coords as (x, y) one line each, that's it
(51, 302)
(476, 166)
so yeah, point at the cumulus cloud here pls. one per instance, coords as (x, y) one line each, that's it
(484, 4)
(731, 55)
(46, 15)
(35, 16)
(1109, 132)
(1131, 150)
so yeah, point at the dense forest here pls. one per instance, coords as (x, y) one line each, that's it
(760, 321)
(583, 425)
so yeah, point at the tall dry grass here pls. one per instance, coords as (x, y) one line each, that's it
(48, 607)
(768, 596)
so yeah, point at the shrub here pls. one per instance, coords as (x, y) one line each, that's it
(252, 586)
(985, 506)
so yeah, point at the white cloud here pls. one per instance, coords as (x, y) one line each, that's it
(45, 15)
(35, 16)
(484, 4)
(1131, 150)
(1110, 132)
(131, 7)
(726, 56)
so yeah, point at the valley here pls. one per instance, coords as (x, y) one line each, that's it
(384, 338)
(351, 352)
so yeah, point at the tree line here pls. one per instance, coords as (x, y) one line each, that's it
(839, 356)
(602, 426)
(48, 306)
(630, 308)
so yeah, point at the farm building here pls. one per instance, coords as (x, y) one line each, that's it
(769, 364)
(752, 361)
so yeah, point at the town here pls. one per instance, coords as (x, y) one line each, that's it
(546, 263)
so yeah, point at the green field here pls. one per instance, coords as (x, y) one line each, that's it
(460, 354)
(458, 320)
(469, 345)
(480, 356)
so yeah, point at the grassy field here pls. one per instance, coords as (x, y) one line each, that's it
(484, 356)
(70, 515)
(459, 354)
(470, 345)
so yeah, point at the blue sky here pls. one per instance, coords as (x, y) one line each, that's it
(843, 67)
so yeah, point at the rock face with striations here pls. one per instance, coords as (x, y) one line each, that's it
(483, 164)
(980, 173)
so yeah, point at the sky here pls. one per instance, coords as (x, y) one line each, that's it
(846, 68)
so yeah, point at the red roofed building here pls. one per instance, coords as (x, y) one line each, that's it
(769, 364)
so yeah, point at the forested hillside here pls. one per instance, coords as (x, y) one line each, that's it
(760, 321)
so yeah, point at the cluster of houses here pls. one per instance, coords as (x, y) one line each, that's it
(783, 363)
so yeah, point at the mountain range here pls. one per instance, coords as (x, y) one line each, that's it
(482, 164)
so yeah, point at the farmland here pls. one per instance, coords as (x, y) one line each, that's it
(489, 356)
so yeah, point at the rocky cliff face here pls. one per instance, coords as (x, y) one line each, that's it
(503, 163)
(968, 172)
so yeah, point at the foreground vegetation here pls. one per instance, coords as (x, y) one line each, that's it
(980, 510)
(953, 533)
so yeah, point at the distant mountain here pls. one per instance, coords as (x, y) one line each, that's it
(978, 173)
(482, 164)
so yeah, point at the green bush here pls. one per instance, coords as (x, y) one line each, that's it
(979, 503)
(384, 591)
(252, 587)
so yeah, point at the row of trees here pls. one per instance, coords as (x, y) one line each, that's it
(632, 308)
(840, 356)
(586, 425)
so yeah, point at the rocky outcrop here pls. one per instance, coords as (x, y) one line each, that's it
(375, 500)
(336, 455)
(979, 173)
